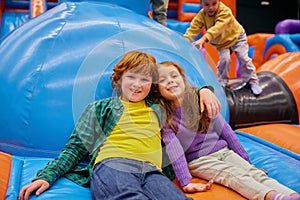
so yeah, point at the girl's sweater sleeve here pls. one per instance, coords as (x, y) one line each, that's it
(226, 132)
(176, 156)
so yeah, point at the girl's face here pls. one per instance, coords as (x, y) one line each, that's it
(135, 87)
(210, 6)
(171, 84)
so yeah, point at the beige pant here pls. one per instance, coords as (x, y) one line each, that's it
(229, 169)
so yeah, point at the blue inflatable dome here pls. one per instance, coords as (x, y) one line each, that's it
(57, 63)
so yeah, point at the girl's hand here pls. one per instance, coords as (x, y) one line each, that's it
(39, 186)
(197, 187)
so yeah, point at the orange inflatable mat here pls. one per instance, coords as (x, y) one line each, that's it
(216, 192)
(283, 135)
(5, 165)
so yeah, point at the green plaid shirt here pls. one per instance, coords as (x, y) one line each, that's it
(92, 129)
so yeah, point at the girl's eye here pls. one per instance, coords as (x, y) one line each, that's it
(161, 80)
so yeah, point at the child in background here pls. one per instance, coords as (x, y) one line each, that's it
(208, 149)
(120, 136)
(159, 10)
(225, 33)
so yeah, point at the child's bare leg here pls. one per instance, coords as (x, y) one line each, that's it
(273, 195)
(294, 194)
(269, 194)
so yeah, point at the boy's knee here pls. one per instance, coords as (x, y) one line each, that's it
(225, 61)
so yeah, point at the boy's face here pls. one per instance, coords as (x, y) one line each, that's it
(210, 6)
(171, 84)
(135, 87)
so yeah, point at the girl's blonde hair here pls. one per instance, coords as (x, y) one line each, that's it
(136, 62)
(192, 118)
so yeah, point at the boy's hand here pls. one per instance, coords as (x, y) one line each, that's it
(200, 42)
(39, 186)
(198, 187)
(209, 100)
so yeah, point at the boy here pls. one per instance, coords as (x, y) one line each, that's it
(225, 33)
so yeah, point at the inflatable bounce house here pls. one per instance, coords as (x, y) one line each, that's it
(61, 59)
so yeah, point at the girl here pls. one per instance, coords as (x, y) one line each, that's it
(205, 148)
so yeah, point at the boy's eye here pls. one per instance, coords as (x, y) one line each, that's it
(131, 77)
(146, 80)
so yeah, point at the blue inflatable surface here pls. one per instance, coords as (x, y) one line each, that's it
(55, 64)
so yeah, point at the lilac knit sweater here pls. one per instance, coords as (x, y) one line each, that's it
(187, 145)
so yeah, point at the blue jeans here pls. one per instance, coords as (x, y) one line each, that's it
(121, 178)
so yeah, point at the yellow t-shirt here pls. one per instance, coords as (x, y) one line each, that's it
(136, 136)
